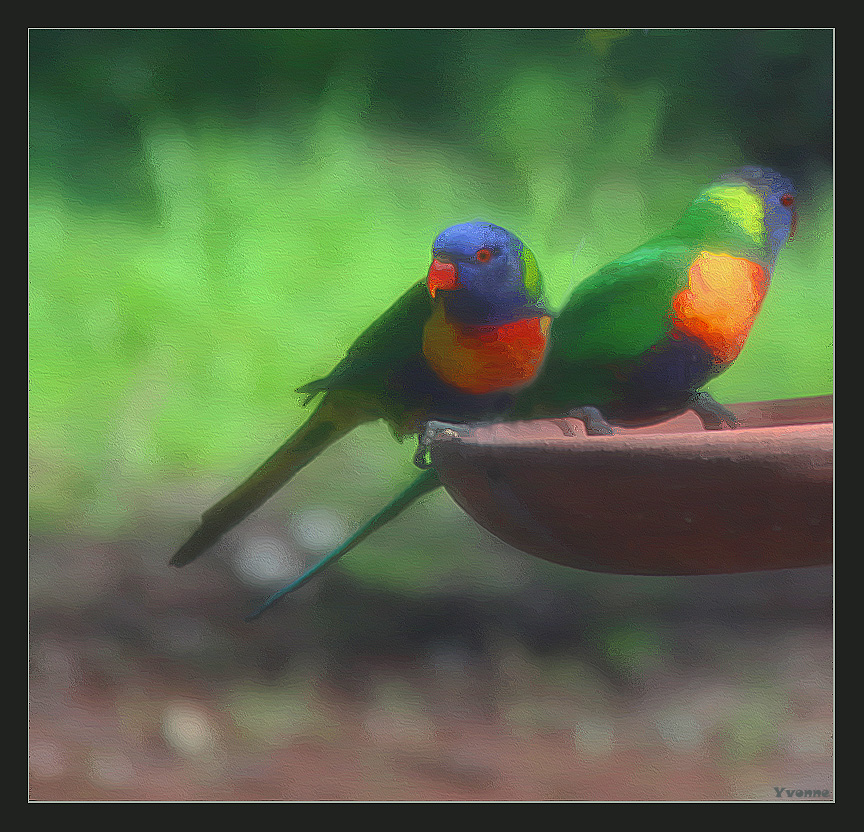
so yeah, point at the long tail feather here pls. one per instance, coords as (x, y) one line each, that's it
(426, 482)
(330, 421)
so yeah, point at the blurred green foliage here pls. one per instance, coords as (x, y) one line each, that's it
(216, 214)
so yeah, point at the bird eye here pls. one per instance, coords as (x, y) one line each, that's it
(484, 255)
(787, 200)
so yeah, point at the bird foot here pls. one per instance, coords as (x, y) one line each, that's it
(714, 415)
(591, 417)
(431, 431)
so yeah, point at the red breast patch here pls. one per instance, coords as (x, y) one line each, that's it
(484, 359)
(720, 303)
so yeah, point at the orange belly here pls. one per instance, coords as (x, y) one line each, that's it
(485, 359)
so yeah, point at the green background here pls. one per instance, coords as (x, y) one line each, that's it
(216, 214)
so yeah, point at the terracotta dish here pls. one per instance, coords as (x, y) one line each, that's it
(669, 499)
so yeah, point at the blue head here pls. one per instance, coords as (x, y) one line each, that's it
(483, 274)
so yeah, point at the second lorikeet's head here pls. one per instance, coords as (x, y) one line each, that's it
(762, 202)
(483, 274)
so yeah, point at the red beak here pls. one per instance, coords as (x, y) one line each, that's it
(442, 276)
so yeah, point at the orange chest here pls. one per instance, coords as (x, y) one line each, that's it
(720, 303)
(485, 359)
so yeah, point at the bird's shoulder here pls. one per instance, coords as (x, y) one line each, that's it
(623, 308)
(392, 338)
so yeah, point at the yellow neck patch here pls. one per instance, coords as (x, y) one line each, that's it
(744, 207)
(531, 273)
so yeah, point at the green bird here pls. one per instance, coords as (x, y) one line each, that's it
(454, 348)
(637, 340)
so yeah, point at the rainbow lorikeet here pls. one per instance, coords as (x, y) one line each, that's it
(637, 339)
(455, 348)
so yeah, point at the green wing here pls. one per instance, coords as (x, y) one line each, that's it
(387, 342)
(359, 384)
(622, 310)
(611, 319)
